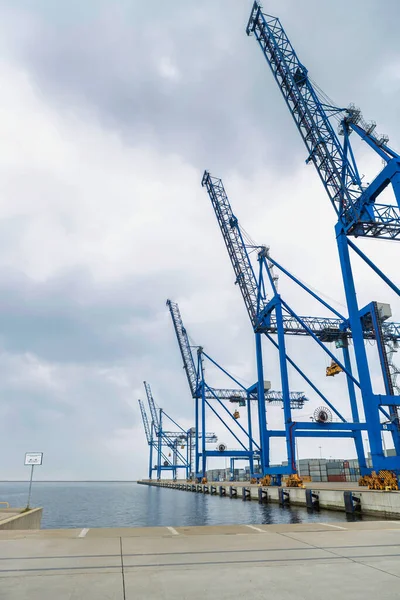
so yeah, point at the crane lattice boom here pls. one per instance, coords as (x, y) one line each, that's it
(152, 406)
(245, 276)
(336, 167)
(145, 422)
(297, 399)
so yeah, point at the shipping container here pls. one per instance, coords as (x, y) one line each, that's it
(336, 478)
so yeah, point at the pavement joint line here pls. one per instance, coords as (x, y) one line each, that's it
(335, 526)
(201, 552)
(324, 559)
(181, 564)
(83, 533)
(360, 560)
(122, 568)
(173, 530)
(255, 528)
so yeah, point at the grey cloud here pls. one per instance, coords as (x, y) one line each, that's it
(185, 77)
(71, 318)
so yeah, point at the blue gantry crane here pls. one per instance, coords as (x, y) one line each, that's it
(154, 441)
(149, 436)
(358, 212)
(164, 442)
(270, 314)
(204, 395)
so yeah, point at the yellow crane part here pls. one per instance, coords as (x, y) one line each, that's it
(294, 481)
(236, 414)
(333, 369)
(266, 480)
(384, 480)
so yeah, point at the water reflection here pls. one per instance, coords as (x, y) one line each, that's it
(106, 504)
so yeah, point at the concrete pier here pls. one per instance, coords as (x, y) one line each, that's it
(330, 496)
(20, 518)
(348, 560)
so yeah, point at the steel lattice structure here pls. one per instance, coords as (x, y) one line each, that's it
(357, 210)
(270, 314)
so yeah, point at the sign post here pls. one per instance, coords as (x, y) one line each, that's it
(32, 459)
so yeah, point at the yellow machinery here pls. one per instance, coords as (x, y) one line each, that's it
(204, 480)
(253, 480)
(266, 480)
(294, 481)
(384, 480)
(236, 414)
(333, 369)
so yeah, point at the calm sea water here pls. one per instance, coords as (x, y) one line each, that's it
(111, 504)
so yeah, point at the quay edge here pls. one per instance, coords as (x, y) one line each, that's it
(346, 497)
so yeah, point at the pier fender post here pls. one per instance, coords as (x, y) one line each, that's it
(262, 495)
(284, 497)
(246, 494)
(206, 489)
(222, 491)
(232, 492)
(199, 488)
(213, 490)
(312, 500)
(352, 503)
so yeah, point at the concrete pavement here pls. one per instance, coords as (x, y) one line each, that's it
(357, 560)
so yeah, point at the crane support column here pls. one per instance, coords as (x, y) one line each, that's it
(250, 431)
(203, 427)
(370, 405)
(262, 417)
(285, 386)
(387, 377)
(159, 437)
(354, 412)
(151, 461)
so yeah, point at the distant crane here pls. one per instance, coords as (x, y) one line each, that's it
(159, 438)
(355, 204)
(152, 443)
(200, 390)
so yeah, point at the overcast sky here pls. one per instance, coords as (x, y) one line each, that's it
(109, 113)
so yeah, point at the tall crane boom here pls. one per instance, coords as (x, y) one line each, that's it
(245, 276)
(325, 328)
(184, 346)
(271, 396)
(152, 406)
(145, 422)
(354, 205)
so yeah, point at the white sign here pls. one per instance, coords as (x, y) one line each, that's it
(33, 458)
